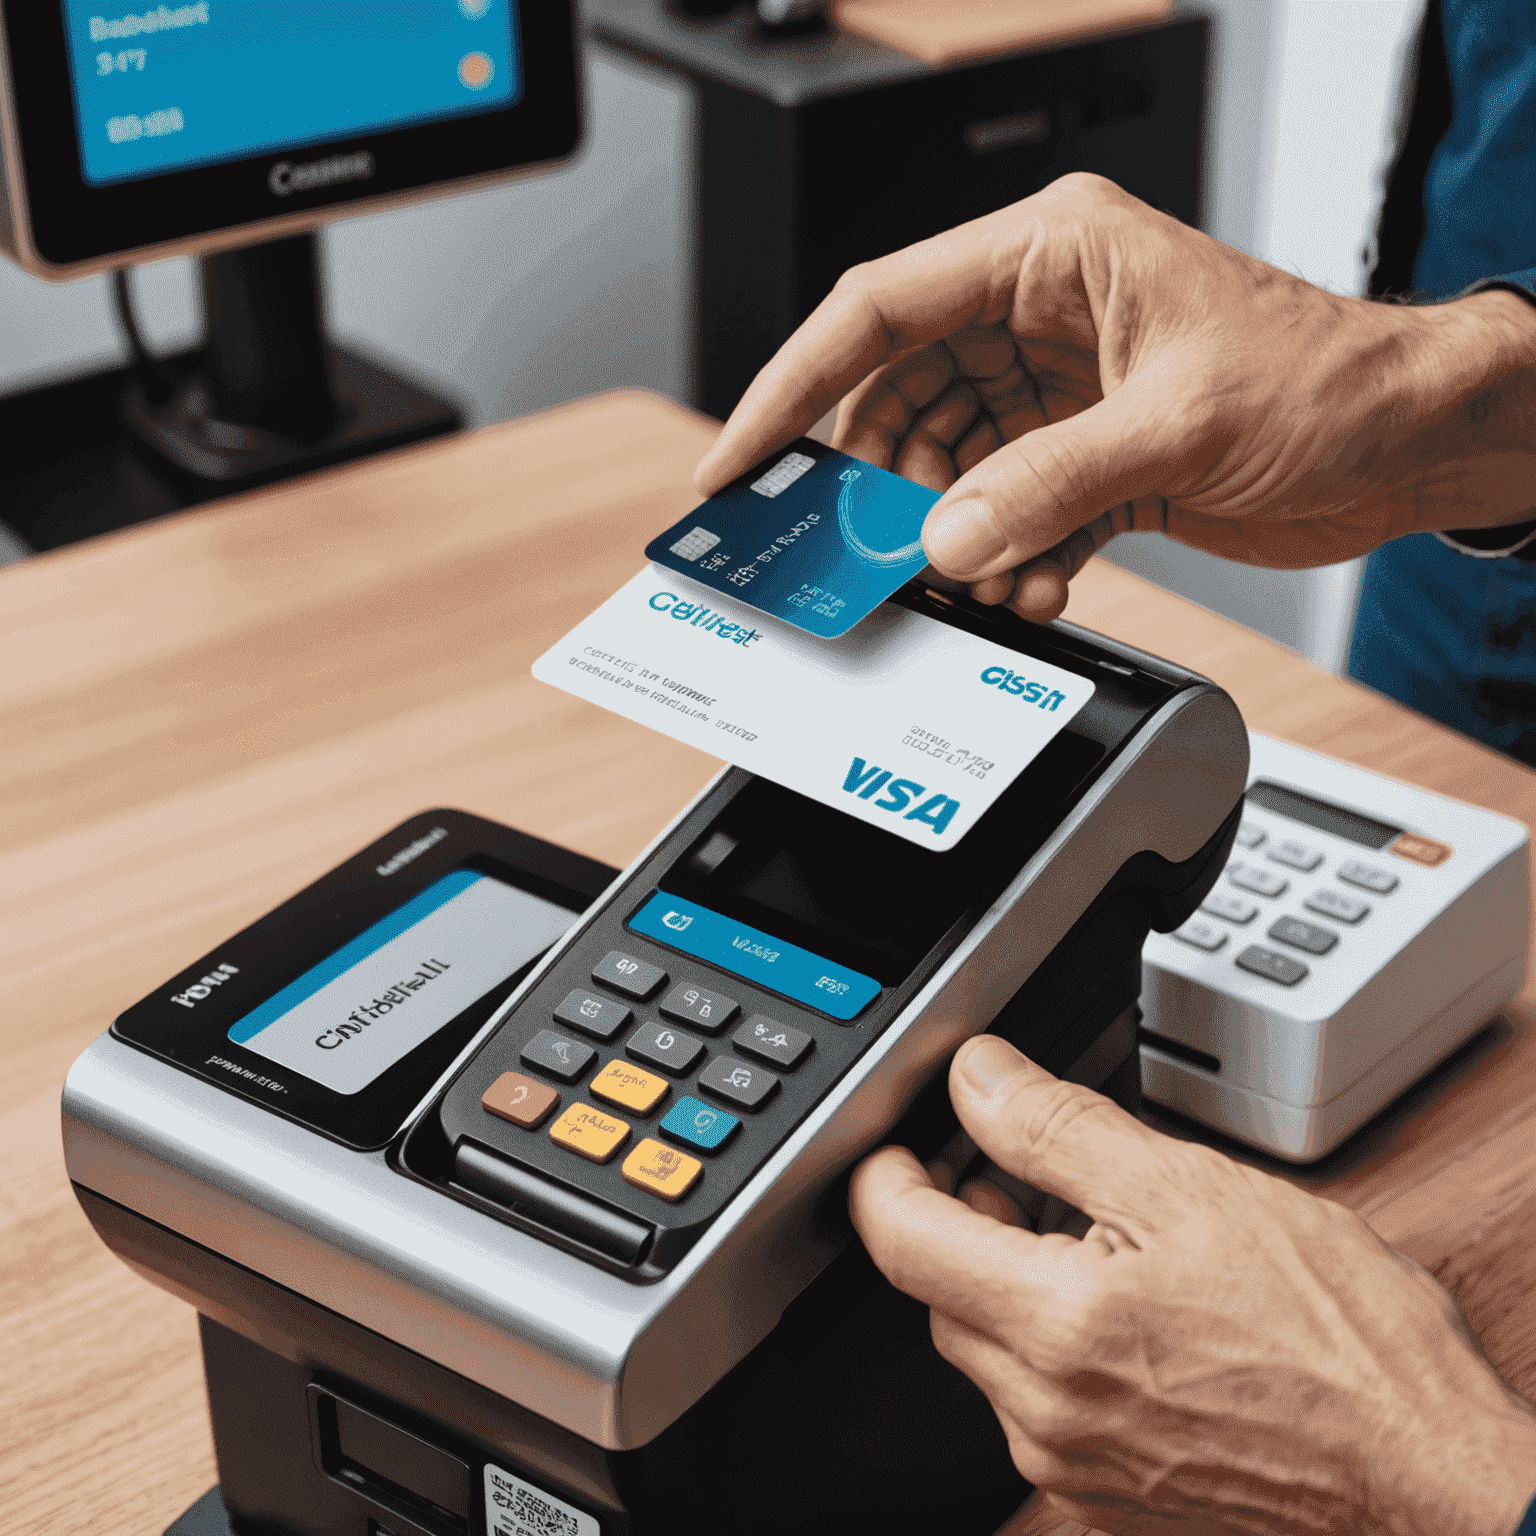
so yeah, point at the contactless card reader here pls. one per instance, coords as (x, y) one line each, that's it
(489, 1251)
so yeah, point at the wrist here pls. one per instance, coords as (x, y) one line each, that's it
(1479, 1481)
(1470, 405)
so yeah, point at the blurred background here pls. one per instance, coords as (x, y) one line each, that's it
(531, 294)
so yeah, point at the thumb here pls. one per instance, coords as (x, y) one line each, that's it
(1034, 493)
(1060, 1137)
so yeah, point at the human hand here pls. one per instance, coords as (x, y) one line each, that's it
(1221, 1353)
(1079, 365)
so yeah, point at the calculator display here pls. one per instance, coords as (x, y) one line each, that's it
(350, 1018)
(1322, 815)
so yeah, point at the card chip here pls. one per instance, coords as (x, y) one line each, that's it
(698, 542)
(783, 474)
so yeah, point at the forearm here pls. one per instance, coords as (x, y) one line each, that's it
(1468, 408)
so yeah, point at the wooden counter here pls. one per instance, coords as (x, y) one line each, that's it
(201, 715)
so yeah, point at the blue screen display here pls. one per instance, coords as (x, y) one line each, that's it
(179, 85)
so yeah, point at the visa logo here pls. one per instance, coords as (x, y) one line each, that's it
(1015, 683)
(866, 781)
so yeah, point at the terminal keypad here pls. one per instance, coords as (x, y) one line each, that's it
(688, 1083)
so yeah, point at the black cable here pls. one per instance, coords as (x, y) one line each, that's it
(157, 388)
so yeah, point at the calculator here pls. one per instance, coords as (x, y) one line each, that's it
(1361, 930)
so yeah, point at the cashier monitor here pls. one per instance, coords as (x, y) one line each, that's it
(130, 128)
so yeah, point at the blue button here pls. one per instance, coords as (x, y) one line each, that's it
(700, 1125)
(758, 956)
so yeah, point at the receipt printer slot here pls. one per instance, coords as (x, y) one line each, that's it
(403, 1474)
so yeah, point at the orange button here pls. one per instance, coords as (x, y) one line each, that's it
(590, 1132)
(625, 1085)
(519, 1099)
(663, 1170)
(1422, 850)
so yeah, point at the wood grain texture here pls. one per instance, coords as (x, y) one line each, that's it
(201, 715)
(944, 32)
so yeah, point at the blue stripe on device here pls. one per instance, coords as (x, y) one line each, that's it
(757, 956)
(419, 906)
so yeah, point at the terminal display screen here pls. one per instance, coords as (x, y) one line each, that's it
(350, 1018)
(165, 87)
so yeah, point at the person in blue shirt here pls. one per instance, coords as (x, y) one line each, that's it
(1220, 1352)
(1448, 625)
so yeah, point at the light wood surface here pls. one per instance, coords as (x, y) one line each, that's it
(942, 32)
(199, 716)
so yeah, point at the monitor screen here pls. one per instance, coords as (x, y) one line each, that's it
(178, 85)
(136, 128)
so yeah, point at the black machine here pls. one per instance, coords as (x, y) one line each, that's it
(818, 150)
(487, 1244)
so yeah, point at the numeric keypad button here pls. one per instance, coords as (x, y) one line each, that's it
(737, 1083)
(1272, 966)
(659, 1045)
(775, 1043)
(623, 973)
(1249, 835)
(1336, 904)
(708, 1012)
(1368, 877)
(1235, 909)
(1297, 855)
(592, 1015)
(1300, 935)
(559, 1057)
(1255, 878)
(1201, 934)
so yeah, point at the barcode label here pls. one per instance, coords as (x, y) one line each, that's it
(783, 474)
(516, 1508)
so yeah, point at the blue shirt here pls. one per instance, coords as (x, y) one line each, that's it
(1454, 637)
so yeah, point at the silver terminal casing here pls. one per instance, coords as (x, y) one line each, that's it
(615, 1362)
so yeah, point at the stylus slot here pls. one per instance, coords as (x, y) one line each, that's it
(543, 1203)
(1179, 1051)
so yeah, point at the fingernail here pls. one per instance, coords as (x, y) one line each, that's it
(989, 1064)
(962, 537)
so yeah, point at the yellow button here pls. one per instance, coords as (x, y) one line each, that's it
(622, 1084)
(590, 1132)
(663, 1170)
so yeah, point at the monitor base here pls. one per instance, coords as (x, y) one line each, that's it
(74, 469)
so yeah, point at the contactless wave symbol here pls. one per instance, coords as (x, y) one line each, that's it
(861, 547)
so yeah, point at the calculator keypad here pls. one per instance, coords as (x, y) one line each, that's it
(1322, 895)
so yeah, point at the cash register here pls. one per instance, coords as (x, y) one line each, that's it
(512, 1195)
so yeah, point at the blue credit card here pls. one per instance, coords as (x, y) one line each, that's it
(809, 536)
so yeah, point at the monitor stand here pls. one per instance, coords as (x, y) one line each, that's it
(267, 396)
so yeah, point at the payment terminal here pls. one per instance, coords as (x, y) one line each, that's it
(487, 1244)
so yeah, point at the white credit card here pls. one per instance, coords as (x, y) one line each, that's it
(905, 722)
